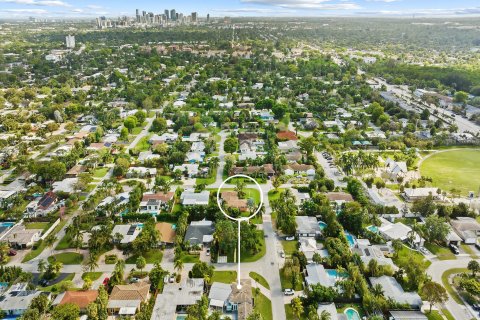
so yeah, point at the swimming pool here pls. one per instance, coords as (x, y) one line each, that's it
(352, 314)
(322, 225)
(351, 239)
(181, 317)
(334, 274)
(373, 229)
(7, 224)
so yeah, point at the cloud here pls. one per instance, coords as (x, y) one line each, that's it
(468, 11)
(388, 1)
(23, 12)
(306, 4)
(94, 6)
(253, 10)
(424, 12)
(46, 3)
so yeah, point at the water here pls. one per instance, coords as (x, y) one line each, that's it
(322, 225)
(181, 317)
(351, 239)
(373, 229)
(7, 224)
(352, 314)
(334, 274)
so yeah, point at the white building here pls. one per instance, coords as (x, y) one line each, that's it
(70, 41)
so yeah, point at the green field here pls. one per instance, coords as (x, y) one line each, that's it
(263, 305)
(67, 258)
(224, 276)
(459, 169)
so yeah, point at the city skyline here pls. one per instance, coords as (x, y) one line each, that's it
(216, 8)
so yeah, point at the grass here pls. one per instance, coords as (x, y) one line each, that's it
(67, 258)
(434, 315)
(447, 314)
(453, 169)
(274, 195)
(100, 172)
(190, 258)
(445, 276)
(35, 253)
(53, 287)
(136, 131)
(263, 305)
(37, 225)
(224, 276)
(468, 249)
(64, 243)
(442, 253)
(258, 278)
(248, 257)
(405, 254)
(289, 247)
(143, 144)
(150, 256)
(287, 283)
(91, 275)
(206, 181)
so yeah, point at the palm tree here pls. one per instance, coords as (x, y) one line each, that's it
(297, 307)
(41, 266)
(377, 290)
(325, 315)
(50, 240)
(4, 249)
(91, 263)
(178, 265)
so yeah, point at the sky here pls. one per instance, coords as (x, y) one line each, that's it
(236, 8)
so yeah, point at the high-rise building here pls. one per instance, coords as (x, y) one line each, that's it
(194, 17)
(173, 15)
(70, 41)
(208, 17)
(167, 16)
(137, 15)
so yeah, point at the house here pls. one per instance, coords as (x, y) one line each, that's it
(308, 246)
(190, 198)
(125, 300)
(166, 137)
(307, 226)
(288, 146)
(68, 185)
(286, 135)
(331, 309)
(392, 289)
(6, 198)
(79, 298)
(467, 228)
(141, 172)
(189, 170)
(167, 232)
(452, 238)
(397, 231)
(317, 274)
(197, 146)
(407, 315)
(75, 171)
(241, 298)
(22, 238)
(300, 197)
(16, 300)
(266, 169)
(219, 295)
(299, 169)
(43, 206)
(195, 157)
(369, 252)
(147, 156)
(231, 200)
(199, 233)
(155, 202)
(129, 232)
(177, 297)
(339, 198)
(411, 194)
(395, 169)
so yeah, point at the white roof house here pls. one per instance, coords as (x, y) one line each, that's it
(17, 299)
(392, 289)
(190, 198)
(398, 231)
(129, 232)
(467, 228)
(316, 274)
(308, 246)
(411, 194)
(307, 226)
(219, 294)
(66, 185)
(147, 155)
(191, 169)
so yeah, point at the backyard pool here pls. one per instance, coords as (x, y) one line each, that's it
(352, 314)
(334, 274)
(322, 225)
(351, 239)
(373, 229)
(181, 317)
(7, 224)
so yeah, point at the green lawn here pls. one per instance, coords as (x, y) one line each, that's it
(287, 282)
(434, 315)
(67, 258)
(37, 225)
(224, 276)
(274, 195)
(468, 249)
(92, 275)
(63, 243)
(34, 253)
(258, 278)
(137, 130)
(190, 258)
(447, 314)
(445, 276)
(100, 172)
(247, 257)
(457, 169)
(55, 286)
(150, 256)
(289, 247)
(143, 144)
(206, 181)
(263, 305)
(442, 253)
(404, 255)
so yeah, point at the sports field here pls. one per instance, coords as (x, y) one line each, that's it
(459, 169)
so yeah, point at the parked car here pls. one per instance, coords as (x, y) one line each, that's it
(44, 283)
(282, 254)
(134, 280)
(476, 306)
(105, 281)
(290, 238)
(454, 249)
(477, 245)
(12, 253)
(288, 292)
(208, 252)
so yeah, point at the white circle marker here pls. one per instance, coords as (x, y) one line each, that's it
(239, 219)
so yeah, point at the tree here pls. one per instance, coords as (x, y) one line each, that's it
(67, 311)
(124, 134)
(297, 307)
(91, 262)
(435, 229)
(141, 116)
(202, 270)
(121, 167)
(178, 265)
(140, 263)
(230, 145)
(156, 276)
(460, 97)
(308, 144)
(4, 250)
(434, 293)
(41, 266)
(325, 315)
(87, 284)
(473, 266)
(40, 303)
(130, 123)
(276, 182)
(159, 125)
(50, 240)
(30, 314)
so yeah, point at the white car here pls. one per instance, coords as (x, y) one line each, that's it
(288, 292)
(291, 238)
